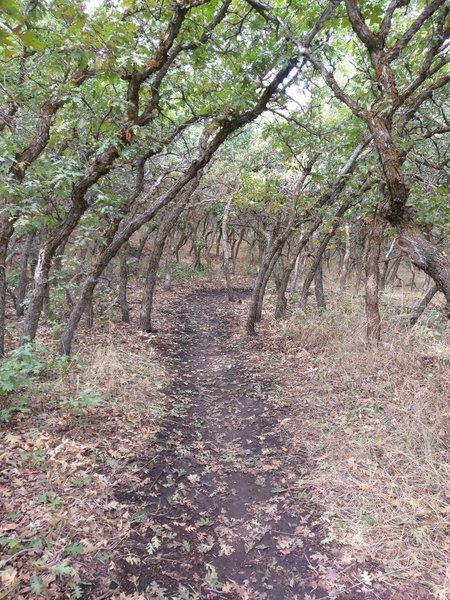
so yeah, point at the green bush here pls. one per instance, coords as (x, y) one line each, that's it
(18, 372)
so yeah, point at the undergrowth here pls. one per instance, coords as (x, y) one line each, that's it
(376, 422)
(82, 434)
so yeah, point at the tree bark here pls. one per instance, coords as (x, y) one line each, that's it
(42, 270)
(226, 255)
(372, 269)
(142, 243)
(346, 259)
(319, 254)
(420, 308)
(166, 226)
(318, 286)
(23, 277)
(387, 259)
(167, 286)
(59, 255)
(282, 303)
(424, 255)
(265, 281)
(6, 231)
(123, 284)
(270, 257)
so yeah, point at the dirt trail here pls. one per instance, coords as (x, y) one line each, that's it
(225, 518)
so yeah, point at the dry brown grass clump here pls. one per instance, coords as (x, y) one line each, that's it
(376, 423)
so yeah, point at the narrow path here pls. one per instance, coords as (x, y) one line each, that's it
(225, 518)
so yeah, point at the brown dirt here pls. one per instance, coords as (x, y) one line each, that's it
(225, 515)
(221, 498)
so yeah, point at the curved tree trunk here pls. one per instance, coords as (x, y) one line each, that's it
(282, 303)
(319, 254)
(424, 255)
(142, 243)
(420, 309)
(167, 224)
(387, 259)
(59, 255)
(262, 278)
(42, 270)
(150, 283)
(265, 281)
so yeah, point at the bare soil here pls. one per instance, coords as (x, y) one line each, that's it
(226, 515)
(198, 475)
(220, 500)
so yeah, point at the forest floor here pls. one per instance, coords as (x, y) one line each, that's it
(218, 466)
(231, 512)
(226, 511)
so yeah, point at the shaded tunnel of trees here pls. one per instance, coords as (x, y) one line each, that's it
(133, 132)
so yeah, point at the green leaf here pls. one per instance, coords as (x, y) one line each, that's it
(36, 586)
(29, 39)
(75, 549)
(61, 569)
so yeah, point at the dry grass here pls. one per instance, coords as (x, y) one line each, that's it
(376, 423)
(65, 464)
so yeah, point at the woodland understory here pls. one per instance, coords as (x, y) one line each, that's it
(224, 299)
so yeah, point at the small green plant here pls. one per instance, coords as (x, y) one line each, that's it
(84, 401)
(20, 369)
(359, 412)
(182, 272)
(18, 372)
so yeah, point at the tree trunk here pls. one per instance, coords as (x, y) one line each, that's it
(181, 242)
(167, 224)
(89, 314)
(6, 231)
(262, 278)
(298, 261)
(150, 283)
(142, 243)
(236, 250)
(42, 270)
(392, 274)
(387, 259)
(318, 287)
(59, 255)
(265, 281)
(37, 298)
(346, 259)
(318, 256)
(424, 255)
(210, 237)
(420, 309)
(226, 256)
(218, 242)
(123, 285)
(169, 262)
(281, 303)
(372, 269)
(23, 277)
